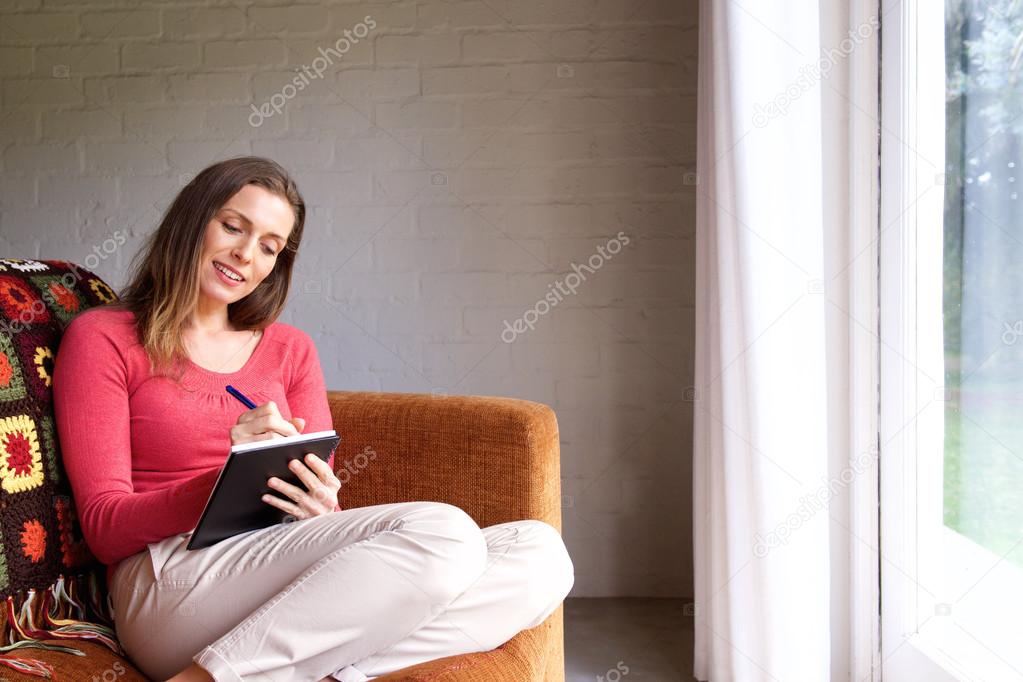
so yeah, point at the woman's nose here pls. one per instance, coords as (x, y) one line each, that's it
(242, 253)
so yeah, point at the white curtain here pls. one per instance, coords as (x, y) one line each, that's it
(785, 412)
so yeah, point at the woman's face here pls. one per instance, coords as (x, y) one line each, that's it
(244, 237)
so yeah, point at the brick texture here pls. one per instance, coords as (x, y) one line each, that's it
(468, 166)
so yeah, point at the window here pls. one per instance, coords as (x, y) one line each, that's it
(983, 275)
(951, 250)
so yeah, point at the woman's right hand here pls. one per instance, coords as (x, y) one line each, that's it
(264, 422)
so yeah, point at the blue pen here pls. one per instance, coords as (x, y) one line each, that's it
(241, 397)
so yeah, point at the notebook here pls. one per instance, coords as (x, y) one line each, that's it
(235, 505)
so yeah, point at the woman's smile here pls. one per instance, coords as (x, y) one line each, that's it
(220, 268)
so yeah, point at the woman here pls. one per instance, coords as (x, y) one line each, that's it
(145, 425)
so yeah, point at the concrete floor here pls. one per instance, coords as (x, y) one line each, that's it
(626, 639)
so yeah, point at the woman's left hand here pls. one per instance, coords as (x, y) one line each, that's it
(320, 496)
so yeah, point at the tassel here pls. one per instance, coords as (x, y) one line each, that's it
(72, 598)
(28, 666)
(68, 628)
(88, 631)
(28, 616)
(16, 633)
(55, 613)
(32, 644)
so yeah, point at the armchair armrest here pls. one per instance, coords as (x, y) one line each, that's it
(496, 458)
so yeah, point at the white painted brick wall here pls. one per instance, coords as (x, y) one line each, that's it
(457, 161)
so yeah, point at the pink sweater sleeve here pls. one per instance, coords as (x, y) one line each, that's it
(90, 396)
(307, 393)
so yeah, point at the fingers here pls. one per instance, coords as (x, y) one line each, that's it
(317, 479)
(320, 481)
(266, 409)
(242, 434)
(294, 492)
(284, 505)
(311, 481)
(303, 507)
(322, 470)
(264, 419)
(326, 493)
(280, 425)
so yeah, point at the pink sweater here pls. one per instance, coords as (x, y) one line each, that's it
(141, 453)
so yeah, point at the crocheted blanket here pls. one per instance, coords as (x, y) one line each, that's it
(53, 587)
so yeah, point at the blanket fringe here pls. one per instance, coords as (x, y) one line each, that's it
(58, 612)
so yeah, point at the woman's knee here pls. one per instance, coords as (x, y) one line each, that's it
(551, 573)
(457, 556)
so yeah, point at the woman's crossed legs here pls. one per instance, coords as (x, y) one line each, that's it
(359, 592)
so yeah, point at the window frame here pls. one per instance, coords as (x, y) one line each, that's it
(924, 564)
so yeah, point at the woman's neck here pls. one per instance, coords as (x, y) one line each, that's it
(209, 321)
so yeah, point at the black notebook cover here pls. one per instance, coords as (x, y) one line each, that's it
(235, 505)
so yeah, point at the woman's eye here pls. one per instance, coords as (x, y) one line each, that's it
(231, 228)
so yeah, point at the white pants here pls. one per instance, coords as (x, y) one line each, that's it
(355, 594)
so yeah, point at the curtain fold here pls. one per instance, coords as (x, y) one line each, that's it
(785, 410)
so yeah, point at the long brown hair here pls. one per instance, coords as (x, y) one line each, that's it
(163, 288)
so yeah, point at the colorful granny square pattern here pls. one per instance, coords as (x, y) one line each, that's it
(64, 302)
(22, 265)
(48, 442)
(52, 585)
(101, 291)
(21, 461)
(12, 383)
(36, 351)
(40, 537)
(21, 303)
